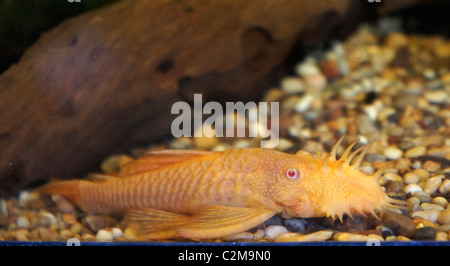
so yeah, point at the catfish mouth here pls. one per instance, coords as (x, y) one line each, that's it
(372, 208)
(363, 196)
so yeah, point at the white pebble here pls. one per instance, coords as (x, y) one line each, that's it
(307, 67)
(304, 103)
(430, 207)
(371, 111)
(445, 186)
(272, 231)
(433, 184)
(432, 216)
(103, 236)
(292, 85)
(116, 232)
(25, 197)
(412, 188)
(393, 153)
(47, 218)
(22, 222)
(436, 96)
(284, 144)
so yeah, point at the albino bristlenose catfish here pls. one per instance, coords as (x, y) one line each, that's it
(208, 195)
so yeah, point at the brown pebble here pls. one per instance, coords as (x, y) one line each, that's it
(431, 166)
(95, 222)
(3, 220)
(69, 218)
(425, 233)
(394, 187)
(63, 205)
(400, 224)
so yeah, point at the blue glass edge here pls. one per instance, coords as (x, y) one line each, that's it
(226, 244)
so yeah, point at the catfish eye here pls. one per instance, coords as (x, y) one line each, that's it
(292, 173)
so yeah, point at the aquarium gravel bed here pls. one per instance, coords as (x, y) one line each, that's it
(390, 87)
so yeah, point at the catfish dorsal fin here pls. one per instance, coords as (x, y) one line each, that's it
(157, 159)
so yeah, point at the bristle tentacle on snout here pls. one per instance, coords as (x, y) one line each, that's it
(359, 193)
(347, 157)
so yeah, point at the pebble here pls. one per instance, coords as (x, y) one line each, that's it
(441, 236)
(130, 234)
(322, 235)
(365, 125)
(113, 163)
(284, 144)
(431, 207)
(445, 186)
(104, 236)
(295, 224)
(65, 234)
(304, 103)
(411, 178)
(240, 236)
(116, 232)
(425, 233)
(46, 234)
(397, 40)
(399, 223)
(444, 217)
(412, 189)
(423, 197)
(289, 237)
(204, 142)
(431, 166)
(272, 231)
(181, 143)
(69, 218)
(95, 222)
(23, 222)
(436, 96)
(292, 85)
(415, 152)
(393, 177)
(21, 235)
(423, 174)
(433, 184)
(76, 228)
(393, 153)
(432, 215)
(47, 219)
(344, 236)
(258, 235)
(435, 140)
(440, 201)
(88, 237)
(307, 68)
(63, 205)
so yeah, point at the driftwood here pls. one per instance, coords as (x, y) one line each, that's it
(105, 81)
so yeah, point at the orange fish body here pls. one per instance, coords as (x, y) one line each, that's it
(206, 195)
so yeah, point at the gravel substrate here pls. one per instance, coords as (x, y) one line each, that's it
(394, 88)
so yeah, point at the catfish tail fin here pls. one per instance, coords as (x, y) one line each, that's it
(68, 189)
